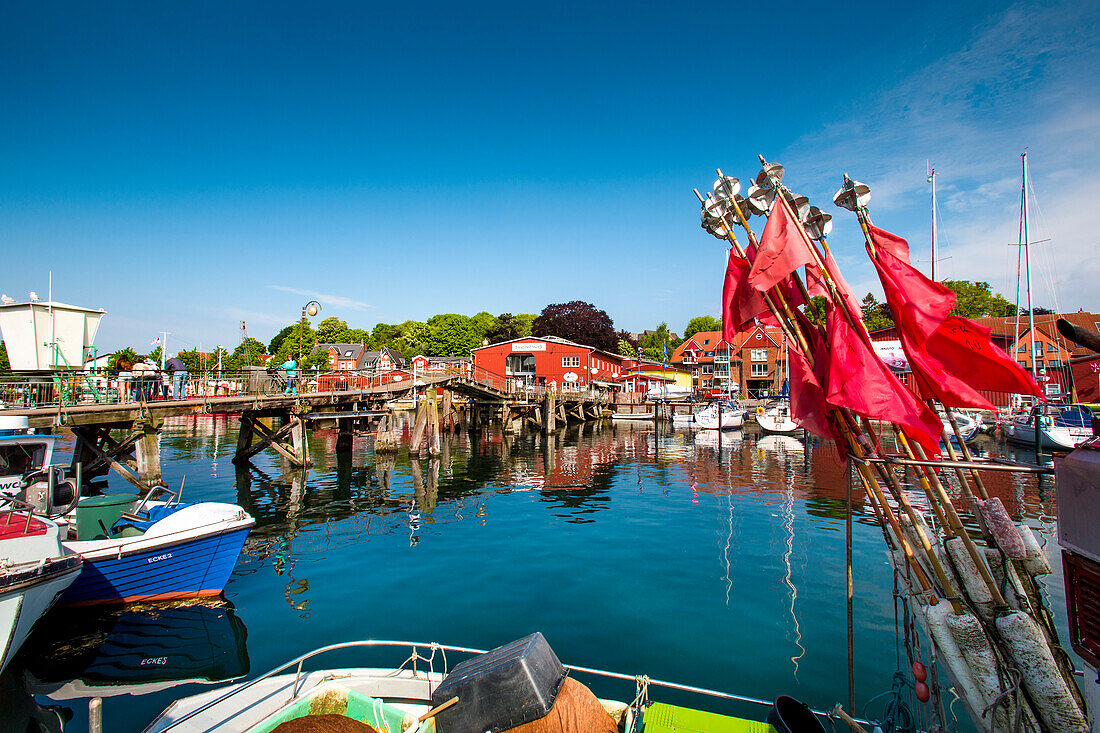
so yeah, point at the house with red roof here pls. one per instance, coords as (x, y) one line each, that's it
(754, 364)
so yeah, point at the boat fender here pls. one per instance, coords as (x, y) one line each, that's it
(759, 410)
(920, 674)
(1036, 561)
(1041, 677)
(1002, 527)
(936, 617)
(969, 576)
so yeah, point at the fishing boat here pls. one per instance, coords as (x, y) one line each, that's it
(1062, 427)
(776, 418)
(142, 550)
(496, 690)
(34, 569)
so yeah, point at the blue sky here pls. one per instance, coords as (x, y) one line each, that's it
(188, 166)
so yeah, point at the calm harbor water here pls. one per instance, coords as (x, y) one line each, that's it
(632, 550)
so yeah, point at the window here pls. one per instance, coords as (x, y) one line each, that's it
(708, 369)
(1022, 348)
(570, 361)
(1053, 363)
(758, 370)
(1052, 348)
(1023, 364)
(759, 355)
(709, 353)
(1038, 363)
(706, 341)
(347, 353)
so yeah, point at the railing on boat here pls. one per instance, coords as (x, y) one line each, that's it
(414, 646)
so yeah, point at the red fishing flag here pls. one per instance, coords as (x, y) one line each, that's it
(952, 357)
(740, 303)
(808, 405)
(782, 250)
(815, 283)
(859, 381)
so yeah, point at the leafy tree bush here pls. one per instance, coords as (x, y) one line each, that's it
(577, 321)
(701, 323)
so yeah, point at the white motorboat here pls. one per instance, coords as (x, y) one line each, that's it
(505, 684)
(34, 570)
(715, 416)
(776, 418)
(668, 392)
(1062, 427)
(968, 427)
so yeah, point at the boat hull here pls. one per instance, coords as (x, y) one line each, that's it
(158, 571)
(24, 602)
(1056, 438)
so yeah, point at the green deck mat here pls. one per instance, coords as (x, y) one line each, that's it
(662, 718)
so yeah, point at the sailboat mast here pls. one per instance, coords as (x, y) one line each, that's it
(932, 180)
(1027, 270)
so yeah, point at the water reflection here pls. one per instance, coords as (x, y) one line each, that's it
(133, 650)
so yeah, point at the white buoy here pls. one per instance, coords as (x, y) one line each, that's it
(969, 576)
(1054, 703)
(978, 655)
(1035, 560)
(936, 618)
(1001, 526)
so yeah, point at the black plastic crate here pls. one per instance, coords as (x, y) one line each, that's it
(500, 689)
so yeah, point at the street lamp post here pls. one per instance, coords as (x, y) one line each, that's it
(311, 308)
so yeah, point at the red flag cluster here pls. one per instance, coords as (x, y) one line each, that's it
(951, 357)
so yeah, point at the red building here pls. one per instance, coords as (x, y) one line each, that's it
(752, 365)
(548, 361)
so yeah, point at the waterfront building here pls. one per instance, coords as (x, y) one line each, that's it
(548, 362)
(754, 364)
(357, 358)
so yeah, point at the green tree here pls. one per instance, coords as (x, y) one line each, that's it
(627, 349)
(525, 322)
(385, 334)
(191, 358)
(414, 336)
(450, 334)
(5, 365)
(507, 327)
(128, 353)
(289, 345)
(278, 339)
(816, 309)
(655, 343)
(330, 330)
(876, 315)
(977, 300)
(701, 323)
(247, 354)
(482, 323)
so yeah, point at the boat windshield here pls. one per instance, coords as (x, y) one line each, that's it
(22, 457)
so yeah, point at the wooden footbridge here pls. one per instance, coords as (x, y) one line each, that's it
(124, 437)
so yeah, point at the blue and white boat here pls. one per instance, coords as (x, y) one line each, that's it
(153, 551)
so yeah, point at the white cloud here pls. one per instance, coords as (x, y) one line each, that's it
(338, 301)
(1026, 80)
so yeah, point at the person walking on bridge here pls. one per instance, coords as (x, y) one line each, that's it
(291, 368)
